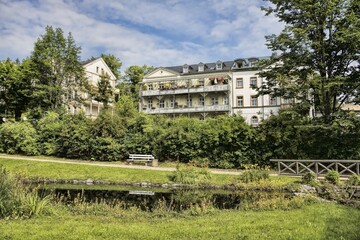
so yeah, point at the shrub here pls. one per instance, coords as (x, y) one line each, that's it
(309, 178)
(18, 137)
(253, 175)
(333, 177)
(190, 175)
(354, 180)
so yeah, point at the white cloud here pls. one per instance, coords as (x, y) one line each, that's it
(158, 33)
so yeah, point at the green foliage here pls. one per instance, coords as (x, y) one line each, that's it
(104, 92)
(9, 197)
(16, 200)
(309, 178)
(113, 63)
(57, 71)
(49, 129)
(333, 177)
(18, 137)
(318, 61)
(354, 180)
(190, 175)
(253, 175)
(17, 90)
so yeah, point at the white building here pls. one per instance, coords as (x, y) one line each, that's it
(94, 69)
(205, 90)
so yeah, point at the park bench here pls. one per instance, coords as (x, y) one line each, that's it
(141, 158)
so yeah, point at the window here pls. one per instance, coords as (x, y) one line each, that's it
(161, 85)
(273, 101)
(201, 101)
(189, 101)
(150, 87)
(149, 104)
(253, 82)
(254, 121)
(240, 101)
(214, 101)
(172, 103)
(161, 103)
(219, 65)
(226, 100)
(201, 67)
(254, 101)
(239, 83)
(201, 82)
(97, 69)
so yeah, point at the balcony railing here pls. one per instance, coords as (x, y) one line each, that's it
(199, 89)
(185, 109)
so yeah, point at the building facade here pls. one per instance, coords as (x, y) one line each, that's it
(94, 69)
(211, 89)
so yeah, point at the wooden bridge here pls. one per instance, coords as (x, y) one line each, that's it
(318, 167)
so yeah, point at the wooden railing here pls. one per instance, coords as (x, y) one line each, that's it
(318, 167)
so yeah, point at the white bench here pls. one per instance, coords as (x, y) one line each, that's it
(140, 158)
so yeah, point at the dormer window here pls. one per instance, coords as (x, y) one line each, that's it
(219, 65)
(186, 68)
(201, 67)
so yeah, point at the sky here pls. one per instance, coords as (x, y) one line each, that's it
(152, 32)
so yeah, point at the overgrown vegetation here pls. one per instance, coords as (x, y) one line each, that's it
(17, 200)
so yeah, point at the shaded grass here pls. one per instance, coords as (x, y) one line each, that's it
(317, 221)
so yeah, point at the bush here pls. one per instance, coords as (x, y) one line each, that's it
(253, 175)
(190, 175)
(333, 177)
(309, 178)
(18, 137)
(354, 180)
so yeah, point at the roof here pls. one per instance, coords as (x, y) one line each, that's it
(211, 67)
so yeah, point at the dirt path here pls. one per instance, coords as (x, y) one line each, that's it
(114, 165)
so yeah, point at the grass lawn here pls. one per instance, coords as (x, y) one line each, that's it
(51, 170)
(316, 221)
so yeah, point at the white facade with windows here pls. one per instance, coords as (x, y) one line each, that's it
(208, 89)
(94, 69)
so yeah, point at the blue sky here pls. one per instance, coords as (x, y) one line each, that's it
(155, 33)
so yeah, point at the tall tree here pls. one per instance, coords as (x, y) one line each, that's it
(113, 63)
(15, 87)
(319, 53)
(59, 75)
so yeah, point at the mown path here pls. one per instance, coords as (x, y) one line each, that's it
(105, 164)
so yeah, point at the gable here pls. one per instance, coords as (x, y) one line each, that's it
(161, 72)
(97, 66)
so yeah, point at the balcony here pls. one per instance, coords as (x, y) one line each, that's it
(199, 89)
(184, 109)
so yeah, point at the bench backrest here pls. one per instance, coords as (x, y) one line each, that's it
(141, 156)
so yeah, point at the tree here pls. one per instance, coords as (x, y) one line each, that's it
(133, 75)
(104, 91)
(113, 63)
(15, 87)
(319, 53)
(59, 75)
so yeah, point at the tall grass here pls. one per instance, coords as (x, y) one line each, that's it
(17, 200)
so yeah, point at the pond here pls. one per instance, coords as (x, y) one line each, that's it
(150, 198)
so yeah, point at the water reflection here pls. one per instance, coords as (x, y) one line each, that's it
(172, 199)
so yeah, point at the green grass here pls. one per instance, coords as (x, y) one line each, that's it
(317, 221)
(57, 171)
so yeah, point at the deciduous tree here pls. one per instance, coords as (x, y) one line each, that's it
(319, 53)
(59, 75)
